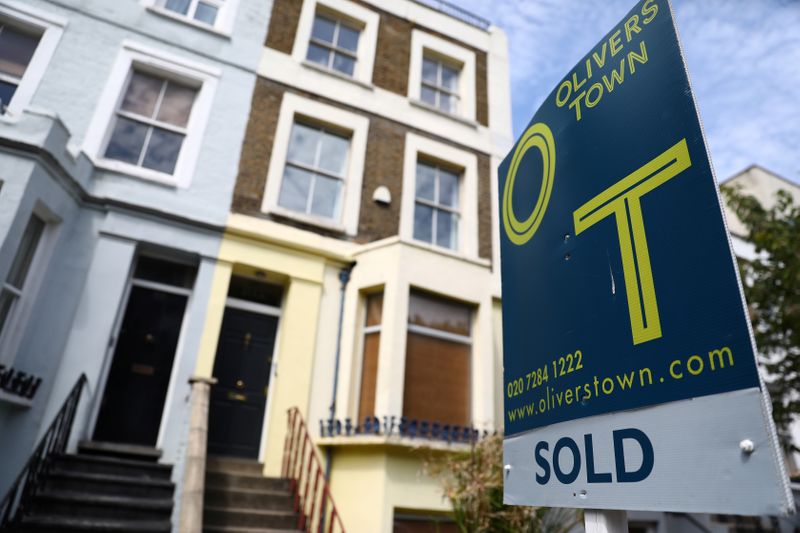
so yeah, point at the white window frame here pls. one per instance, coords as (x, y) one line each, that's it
(418, 147)
(353, 14)
(292, 108)
(424, 44)
(226, 16)
(50, 28)
(135, 56)
(19, 315)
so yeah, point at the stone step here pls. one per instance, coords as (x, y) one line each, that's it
(122, 451)
(101, 507)
(96, 464)
(273, 500)
(59, 524)
(231, 465)
(90, 483)
(225, 481)
(247, 518)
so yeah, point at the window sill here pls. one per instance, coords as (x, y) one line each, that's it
(327, 224)
(422, 105)
(189, 22)
(393, 441)
(337, 75)
(455, 254)
(15, 400)
(125, 169)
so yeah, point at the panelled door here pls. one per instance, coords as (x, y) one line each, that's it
(242, 368)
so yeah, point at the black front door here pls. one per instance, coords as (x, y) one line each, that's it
(242, 366)
(133, 401)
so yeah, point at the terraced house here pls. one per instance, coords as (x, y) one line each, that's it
(247, 247)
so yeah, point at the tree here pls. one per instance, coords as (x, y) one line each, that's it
(473, 482)
(772, 287)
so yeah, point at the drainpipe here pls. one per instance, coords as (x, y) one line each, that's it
(344, 279)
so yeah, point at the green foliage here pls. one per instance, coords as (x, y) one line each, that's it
(772, 288)
(473, 482)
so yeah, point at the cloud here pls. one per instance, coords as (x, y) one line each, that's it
(743, 57)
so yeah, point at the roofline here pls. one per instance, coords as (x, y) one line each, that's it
(763, 169)
(456, 12)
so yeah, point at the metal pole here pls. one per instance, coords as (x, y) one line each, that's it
(605, 521)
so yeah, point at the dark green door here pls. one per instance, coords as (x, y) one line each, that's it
(242, 367)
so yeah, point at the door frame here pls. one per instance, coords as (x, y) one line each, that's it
(113, 339)
(268, 310)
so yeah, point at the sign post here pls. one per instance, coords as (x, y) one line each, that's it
(630, 371)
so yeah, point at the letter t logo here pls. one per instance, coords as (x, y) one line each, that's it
(623, 201)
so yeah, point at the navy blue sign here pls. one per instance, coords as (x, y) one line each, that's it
(619, 288)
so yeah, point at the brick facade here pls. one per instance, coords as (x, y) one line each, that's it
(383, 166)
(393, 53)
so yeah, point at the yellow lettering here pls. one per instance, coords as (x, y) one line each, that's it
(615, 42)
(590, 102)
(631, 27)
(651, 9)
(577, 105)
(697, 369)
(623, 201)
(672, 370)
(633, 56)
(561, 101)
(589, 68)
(575, 83)
(718, 354)
(600, 60)
(617, 77)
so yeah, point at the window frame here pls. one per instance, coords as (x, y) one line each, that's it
(14, 328)
(223, 25)
(50, 28)
(425, 45)
(334, 118)
(435, 204)
(134, 56)
(357, 16)
(418, 148)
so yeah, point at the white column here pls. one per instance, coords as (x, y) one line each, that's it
(606, 521)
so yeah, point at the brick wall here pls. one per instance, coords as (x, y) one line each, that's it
(393, 52)
(383, 166)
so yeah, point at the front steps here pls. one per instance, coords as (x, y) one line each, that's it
(103, 489)
(239, 499)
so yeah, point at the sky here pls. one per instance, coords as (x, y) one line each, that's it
(743, 58)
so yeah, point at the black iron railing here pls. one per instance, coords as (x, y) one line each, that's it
(388, 426)
(33, 474)
(456, 12)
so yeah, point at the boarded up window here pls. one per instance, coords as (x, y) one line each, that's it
(438, 348)
(369, 369)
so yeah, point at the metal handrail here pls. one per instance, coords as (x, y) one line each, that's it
(457, 12)
(302, 467)
(55, 441)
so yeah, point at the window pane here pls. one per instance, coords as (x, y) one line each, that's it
(162, 151)
(333, 153)
(348, 38)
(127, 141)
(6, 301)
(449, 78)
(426, 182)
(326, 197)
(318, 54)
(447, 102)
(7, 91)
(438, 313)
(254, 290)
(295, 189)
(166, 272)
(179, 6)
(16, 50)
(25, 252)
(206, 13)
(428, 95)
(344, 64)
(446, 226)
(142, 94)
(369, 376)
(177, 104)
(430, 71)
(323, 29)
(448, 188)
(374, 309)
(303, 144)
(423, 223)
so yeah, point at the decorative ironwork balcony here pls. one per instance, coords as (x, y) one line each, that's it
(19, 383)
(402, 427)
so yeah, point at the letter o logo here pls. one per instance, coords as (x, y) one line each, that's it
(538, 136)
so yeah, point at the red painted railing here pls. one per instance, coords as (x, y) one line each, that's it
(303, 468)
